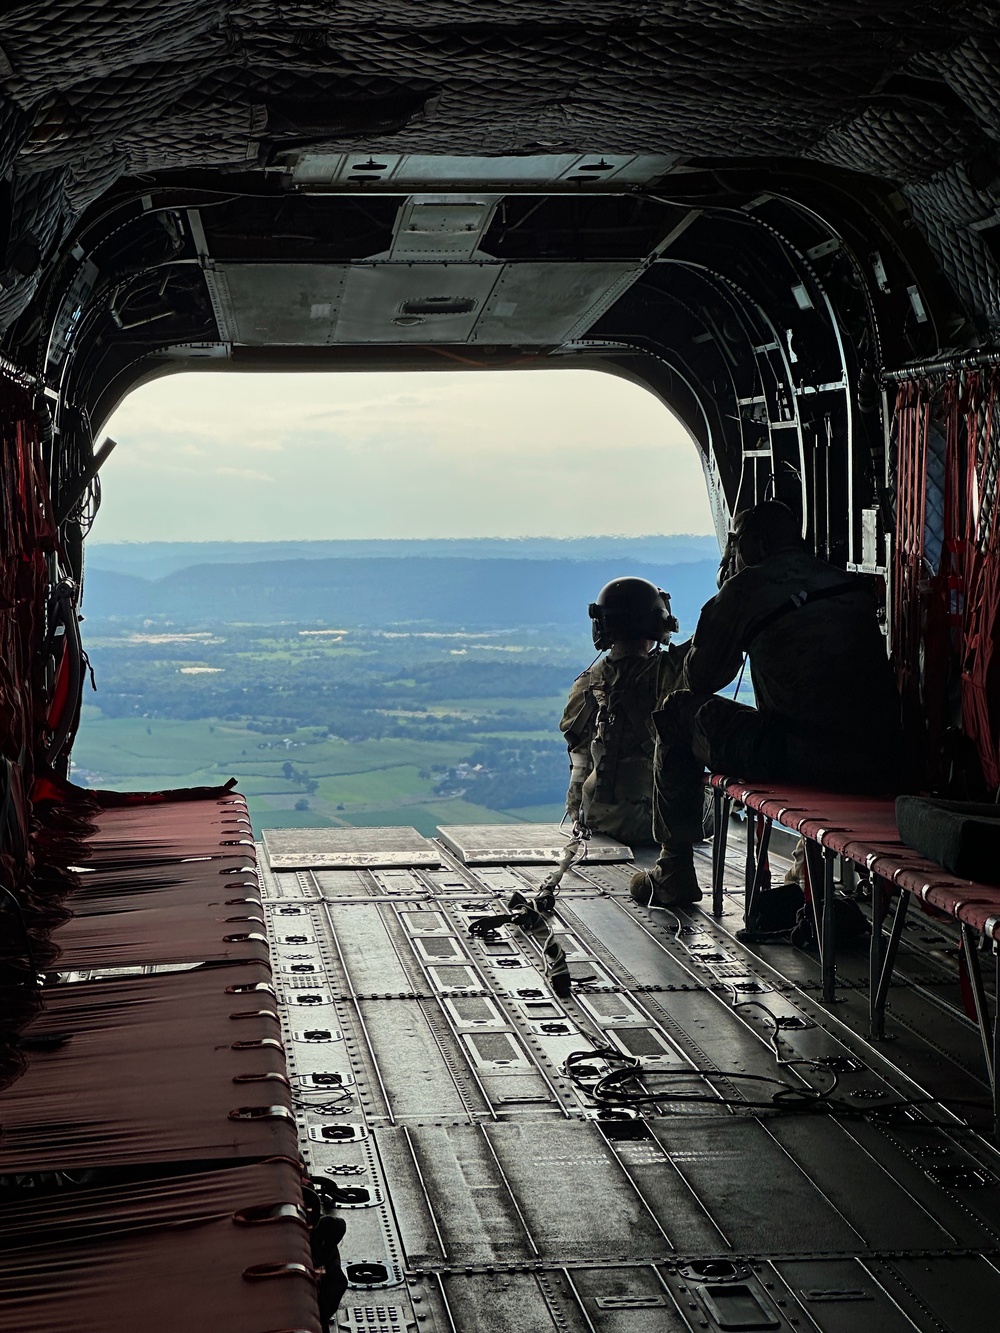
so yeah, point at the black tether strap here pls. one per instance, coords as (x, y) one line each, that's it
(794, 603)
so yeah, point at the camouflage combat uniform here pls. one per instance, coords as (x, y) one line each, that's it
(609, 732)
(827, 707)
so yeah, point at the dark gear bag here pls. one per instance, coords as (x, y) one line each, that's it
(849, 923)
(775, 910)
(961, 836)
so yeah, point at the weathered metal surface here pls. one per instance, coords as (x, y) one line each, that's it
(344, 848)
(486, 1191)
(523, 844)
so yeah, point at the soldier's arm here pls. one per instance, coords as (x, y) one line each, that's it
(577, 725)
(670, 668)
(580, 765)
(715, 651)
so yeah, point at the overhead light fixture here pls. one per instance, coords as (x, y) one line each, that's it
(919, 309)
(802, 298)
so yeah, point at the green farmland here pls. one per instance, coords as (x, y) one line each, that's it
(361, 782)
(354, 715)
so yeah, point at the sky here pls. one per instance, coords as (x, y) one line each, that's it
(279, 457)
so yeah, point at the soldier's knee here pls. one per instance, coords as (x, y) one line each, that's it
(674, 719)
(732, 738)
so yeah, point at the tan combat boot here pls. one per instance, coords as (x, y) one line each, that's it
(671, 883)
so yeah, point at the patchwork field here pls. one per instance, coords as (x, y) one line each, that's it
(361, 782)
(409, 688)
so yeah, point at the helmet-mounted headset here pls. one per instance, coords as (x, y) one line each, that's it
(757, 533)
(630, 610)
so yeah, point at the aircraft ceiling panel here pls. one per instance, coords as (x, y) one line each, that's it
(261, 304)
(548, 303)
(314, 169)
(309, 305)
(413, 303)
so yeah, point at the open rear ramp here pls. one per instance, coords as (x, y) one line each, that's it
(788, 1176)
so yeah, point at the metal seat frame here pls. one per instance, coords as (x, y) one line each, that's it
(821, 868)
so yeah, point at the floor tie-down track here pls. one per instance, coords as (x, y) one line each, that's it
(484, 1189)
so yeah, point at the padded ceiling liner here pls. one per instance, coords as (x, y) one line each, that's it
(91, 90)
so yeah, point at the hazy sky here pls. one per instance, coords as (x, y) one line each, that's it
(274, 457)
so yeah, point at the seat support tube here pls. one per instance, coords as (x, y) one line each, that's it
(883, 953)
(723, 805)
(987, 1027)
(757, 865)
(828, 943)
(820, 865)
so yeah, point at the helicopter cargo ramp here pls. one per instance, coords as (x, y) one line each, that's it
(690, 1140)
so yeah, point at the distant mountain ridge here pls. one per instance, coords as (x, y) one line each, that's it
(376, 591)
(155, 560)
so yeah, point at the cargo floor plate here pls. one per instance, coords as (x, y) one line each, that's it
(486, 1192)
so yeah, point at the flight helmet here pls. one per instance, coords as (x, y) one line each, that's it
(631, 609)
(763, 531)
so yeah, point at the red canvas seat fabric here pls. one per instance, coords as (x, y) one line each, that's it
(153, 1072)
(166, 836)
(156, 881)
(863, 829)
(114, 897)
(152, 1069)
(185, 1251)
(138, 872)
(168, 934)
(163, 825)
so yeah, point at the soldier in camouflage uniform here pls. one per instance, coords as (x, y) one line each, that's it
(607, 719)
(827, 708)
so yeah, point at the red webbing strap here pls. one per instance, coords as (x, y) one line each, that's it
(964, 612)
(945, 607)
(60, 700)
(950, 636)
(913, 402)
(26, 534)
(980, 703)
(35, 536)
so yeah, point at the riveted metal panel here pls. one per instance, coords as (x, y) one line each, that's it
(379, 297)
(481, 1161)
(549, 303)
(260, 304)
(521, 844)
(342, 848)
(841, 1296)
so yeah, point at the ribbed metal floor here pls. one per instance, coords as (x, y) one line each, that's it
(486, 1191)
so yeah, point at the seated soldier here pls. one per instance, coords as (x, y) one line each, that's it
(608, 718)
(827, 707)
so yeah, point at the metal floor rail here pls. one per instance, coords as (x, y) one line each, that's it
(485, 1191)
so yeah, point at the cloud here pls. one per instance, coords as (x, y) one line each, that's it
(247, 473)
(452, 453)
